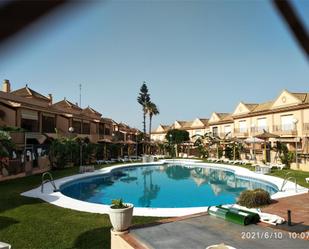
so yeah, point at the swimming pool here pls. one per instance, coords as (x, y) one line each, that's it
(164, 186)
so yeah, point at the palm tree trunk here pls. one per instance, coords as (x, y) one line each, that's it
(217, 148)
(234, 152)
(144, 121)
(150, 120)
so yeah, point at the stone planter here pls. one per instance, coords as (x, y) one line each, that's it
(121, 218)
(220, 246)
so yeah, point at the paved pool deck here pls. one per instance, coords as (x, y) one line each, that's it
(201, 230)
(299, 206)
(205, 230)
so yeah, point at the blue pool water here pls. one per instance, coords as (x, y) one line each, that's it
(164, 186)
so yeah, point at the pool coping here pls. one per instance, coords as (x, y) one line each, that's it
(58, 199)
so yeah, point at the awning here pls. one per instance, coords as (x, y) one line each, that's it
(29, 114)
(266, 135)
(41, 138)
(253, 140)
(130, 142)
(105, 140)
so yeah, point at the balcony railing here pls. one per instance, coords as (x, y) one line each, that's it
(257, 130)
(241, 132)
(285, 130)
(224, 135)
(18, 137)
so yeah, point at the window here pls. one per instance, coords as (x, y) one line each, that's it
(287, 123)
(30, 120)
(262, 124)
(198, 132)
(243, 126)
(101, 129)
(227, 129)
(86, 128)
(77, 125)
(107, 131)
(215, 131)
(48, 123)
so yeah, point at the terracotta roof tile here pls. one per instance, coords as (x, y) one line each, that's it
(222, 115)
(303, 97)
(263, 106)
(67, 103)
(27, 92)
(92, 110)
(251, 107)
(204, 120)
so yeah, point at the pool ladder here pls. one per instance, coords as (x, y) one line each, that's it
(286, 179)
(51, 180)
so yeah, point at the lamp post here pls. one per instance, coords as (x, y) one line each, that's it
(143, 145)
(295, 121)
(71, 130)
(113, 138)
(170, 141)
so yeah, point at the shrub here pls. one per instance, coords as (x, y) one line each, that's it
(285, 155)
(254, 198)
(118, 204)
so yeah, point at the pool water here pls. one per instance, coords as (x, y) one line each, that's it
(164, 186)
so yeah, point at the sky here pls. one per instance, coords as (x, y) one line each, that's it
(197, 57)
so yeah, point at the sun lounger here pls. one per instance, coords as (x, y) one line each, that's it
(262, 168)
(278, 165)
(84, 169)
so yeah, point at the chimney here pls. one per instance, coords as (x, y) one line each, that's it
(6, 86)
(50, 97)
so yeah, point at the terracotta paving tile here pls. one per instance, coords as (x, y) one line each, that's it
(299, 206)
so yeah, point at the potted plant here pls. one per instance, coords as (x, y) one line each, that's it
(120, 215)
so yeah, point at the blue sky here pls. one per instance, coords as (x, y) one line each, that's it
(196, 56)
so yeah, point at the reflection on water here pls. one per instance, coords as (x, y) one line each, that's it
(150, 190)
(164, 186)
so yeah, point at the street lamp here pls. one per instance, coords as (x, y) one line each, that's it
(170, 141)
(295, 121)
(111, 151)
(143, 146)
(71, 130)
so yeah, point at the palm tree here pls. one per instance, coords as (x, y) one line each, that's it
(143, 99)
(152, 109)
(208, 138)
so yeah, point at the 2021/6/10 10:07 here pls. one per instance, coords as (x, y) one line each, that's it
(274, 235)
(261, 235)
(302, 235)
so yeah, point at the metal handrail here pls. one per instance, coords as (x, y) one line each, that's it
(286, 179)
(51, 180)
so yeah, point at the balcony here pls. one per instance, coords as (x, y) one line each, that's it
(223, 135)
(18, 137)
(241, 132)
(285, 130)
(258, 130)
(105, 138)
